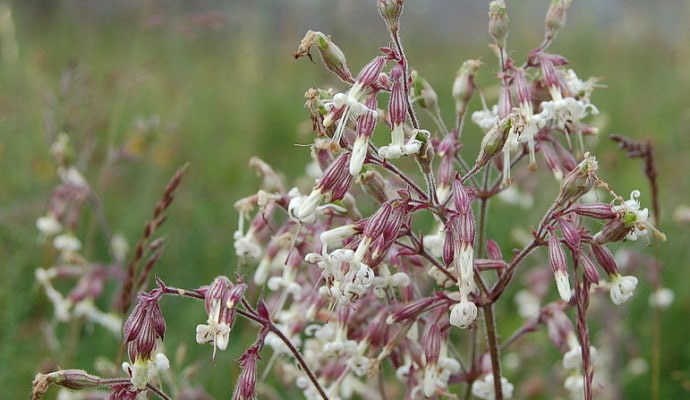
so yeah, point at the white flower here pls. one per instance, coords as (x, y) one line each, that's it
(385, 281)
(66, 243)
(634, 217)
(579, 87)
(622, 288)
(486, 118)
(565, 112)
(563, 285)
(303, 208)
(661, 298)
(575, 385)
(353, 109)
(572, 359)
(527, 304)
(216, 332)
(48, 225)
(484, 388)
(463, 314)
(143, 371)
(247, 245)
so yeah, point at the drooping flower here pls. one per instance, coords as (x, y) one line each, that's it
(622, 288)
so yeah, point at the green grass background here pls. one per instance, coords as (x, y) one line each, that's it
(232, 90)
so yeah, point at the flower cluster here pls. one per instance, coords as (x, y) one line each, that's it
(375, 267)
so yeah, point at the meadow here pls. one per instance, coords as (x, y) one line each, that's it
(177, 85)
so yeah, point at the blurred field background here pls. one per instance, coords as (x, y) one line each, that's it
(216, 84)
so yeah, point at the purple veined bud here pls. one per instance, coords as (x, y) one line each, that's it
(559, 265)
(578, 181)
(551, 77)
(370, 73)
(390, 11)
(595, 210)
(522, 91)
(492, 143)
(498, 22)
(558, 325)
(376, 186)
(552, 161)
(605, 259)
(448, 245)
(564, 155)
(331, 55)
(571, 234)
(447, 150)
(245, 389)
(555, 18)
(614, 230)
(432, 348)
(423, 93)
(505, 103)
(75, 379)
(144, 326)
(589, 268)
(461, 198)
(397, 106)
(493, 250)
(463, 85)
(411, 311)
(334, 183)
(365, 129)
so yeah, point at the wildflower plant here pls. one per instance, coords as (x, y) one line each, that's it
(381, 278)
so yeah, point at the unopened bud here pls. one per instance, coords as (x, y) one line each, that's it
(498, 22)
(555, 18)
(373, 183)
(605, 259)
(331, 55)
(412, 310)
(589, 268)
(390, 11)
(578, 181)
(463, 86)
(559, 265)
(493, 142)
(423, 93)
(595, 210)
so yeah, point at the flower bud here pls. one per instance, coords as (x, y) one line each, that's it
(578, 181)
(605, 259)
(463, 86)
(590, 270)
(595, 210)
(555, 18)
(331, 55)
(498, 22)
(493, 142)
(559, 265)
(390, 11)
(423, 93)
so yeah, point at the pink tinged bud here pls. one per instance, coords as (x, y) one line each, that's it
(559, 265)
(552, 161)
(463, 86)
(589, 268)
(461, 198)
(423, 93)
(614, 230)
(432, 342)
(365, 129)
(390, 11)
(605, 259)
(411, 310)
(498, 22)
(505, 104)
(493, 250)
(448, 246)
(246, 382)
(550, 74)
(397, 106)
(144, 326)
(447, 150)
(75, 379)
(336, 179)
(578, 181)
(374, 184)
(595, 210)
(331, 55)
(524, 96)
(493, 142)
(571, 235)
(370, 73)
(555, 17)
